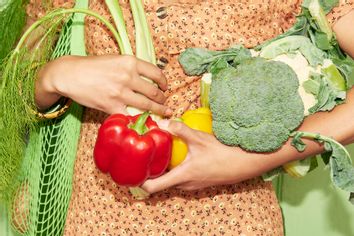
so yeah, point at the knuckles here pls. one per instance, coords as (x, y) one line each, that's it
(160, 75)
(115, 92)
(124, 77)
(155, 92)
(130, 62)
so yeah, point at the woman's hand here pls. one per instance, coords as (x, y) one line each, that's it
(107, 83)
(208, 162)
(212, 163)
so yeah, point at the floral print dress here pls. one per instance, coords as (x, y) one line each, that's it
(98, 206)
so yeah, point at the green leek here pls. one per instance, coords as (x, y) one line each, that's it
(144, 50)
(143, 40)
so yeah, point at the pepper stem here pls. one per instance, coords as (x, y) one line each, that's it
(139, 125)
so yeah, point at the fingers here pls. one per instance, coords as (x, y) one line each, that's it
(152, 72)
(148, 89)
(116, 109)
(176, 176)
(141, 102)
(179, 129)
(190, 186)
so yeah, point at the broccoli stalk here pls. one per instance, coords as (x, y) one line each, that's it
(205, 89)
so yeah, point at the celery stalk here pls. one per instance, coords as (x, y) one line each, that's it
(140, 39)
(146, 30)
(144, 51)
(142, 42)
(117, 14)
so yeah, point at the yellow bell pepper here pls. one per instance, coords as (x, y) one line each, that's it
(199, 119)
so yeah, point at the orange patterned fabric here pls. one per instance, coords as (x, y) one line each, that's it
(98, 206)
(344, 7)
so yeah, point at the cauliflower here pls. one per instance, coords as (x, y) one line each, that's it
(302, 69)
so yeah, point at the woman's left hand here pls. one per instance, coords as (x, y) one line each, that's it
(208, 162)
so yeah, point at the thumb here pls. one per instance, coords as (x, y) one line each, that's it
(178, 129)
(176, 176)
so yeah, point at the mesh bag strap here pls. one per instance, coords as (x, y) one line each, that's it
(40, 204)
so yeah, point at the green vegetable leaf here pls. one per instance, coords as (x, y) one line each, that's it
(346, 67)
(319, 28)
(312, 85)
(271, 175)
(299, 28)
(325, 98)
(312, 23)
(342, 170)
(298, 143)
(314, 163)
(242, 54)
(291, 44)
(326, 5)
(325, 157)
(326, 91)
(217, 66)
(196, 61)
(333, 76)
(322, 41)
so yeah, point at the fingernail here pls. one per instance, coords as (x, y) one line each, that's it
(163, 124)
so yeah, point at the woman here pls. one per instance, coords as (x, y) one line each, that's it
(217, 205)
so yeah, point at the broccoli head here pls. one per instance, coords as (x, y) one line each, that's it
(256, 105)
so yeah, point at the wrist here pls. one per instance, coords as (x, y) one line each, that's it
(45, 80)
(46, 89)
(56, 73)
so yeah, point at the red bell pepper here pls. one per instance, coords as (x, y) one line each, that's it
(132, 149)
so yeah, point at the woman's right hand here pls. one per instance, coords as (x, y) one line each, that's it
(108, 83)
